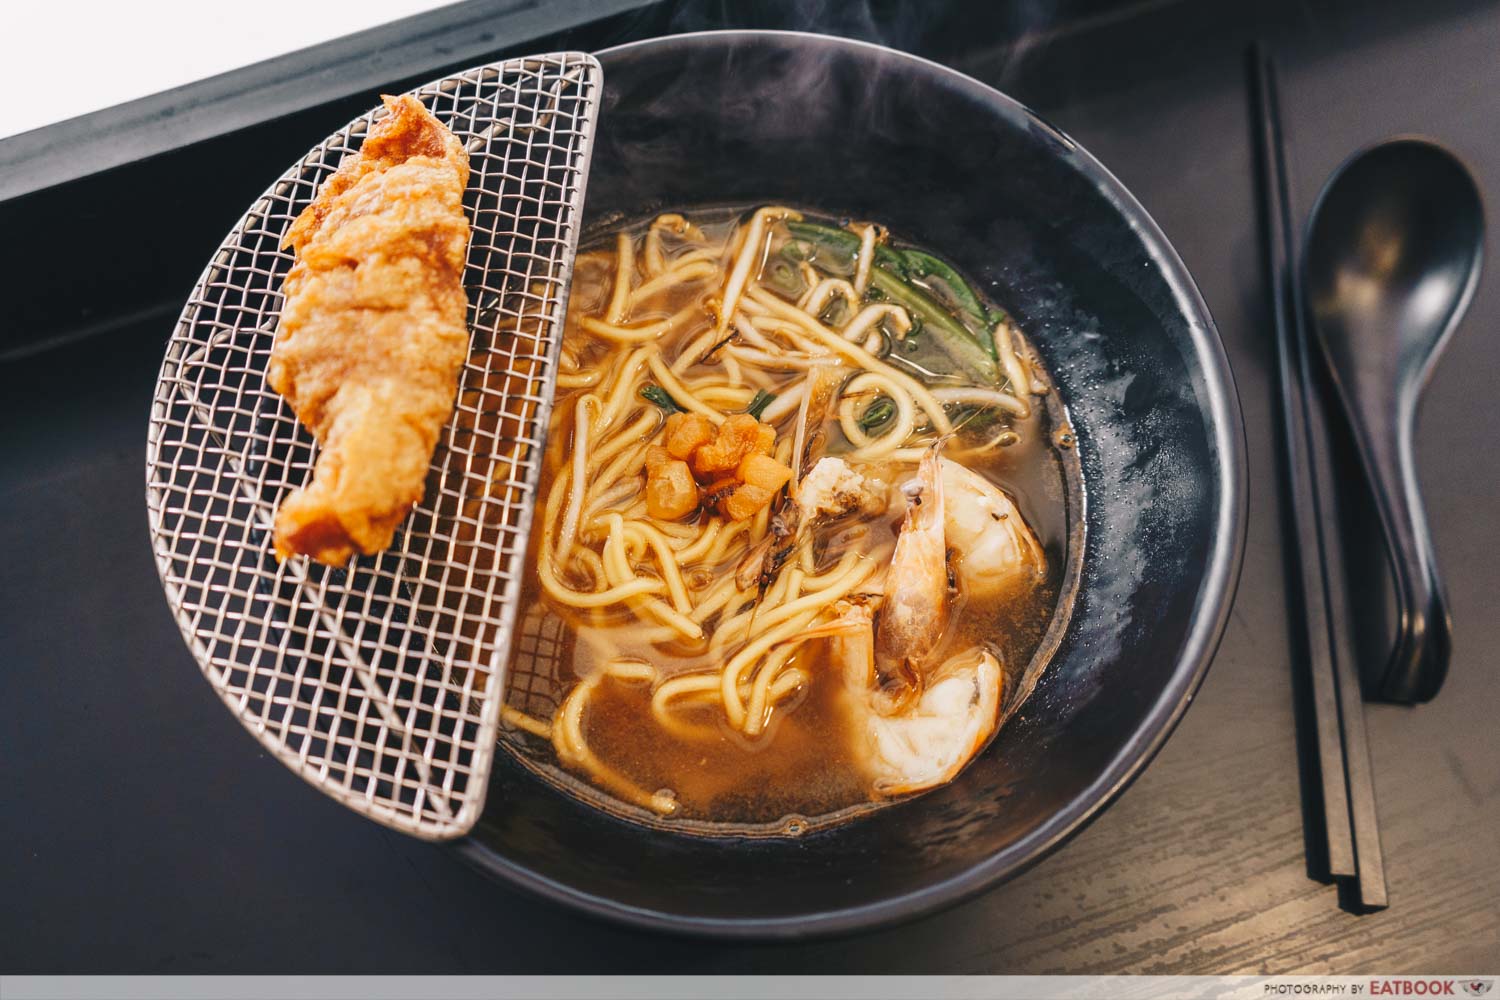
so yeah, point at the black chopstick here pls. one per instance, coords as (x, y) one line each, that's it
(1357, 771)
(1350, 820)
(1358, 775)
(1343, 756)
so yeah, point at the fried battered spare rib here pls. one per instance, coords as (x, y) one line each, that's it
(372, 335)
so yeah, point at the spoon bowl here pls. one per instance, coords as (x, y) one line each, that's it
(1393, 256)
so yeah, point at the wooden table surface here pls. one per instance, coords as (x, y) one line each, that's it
(144, 833)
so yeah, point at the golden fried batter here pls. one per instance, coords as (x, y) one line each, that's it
(372, 335)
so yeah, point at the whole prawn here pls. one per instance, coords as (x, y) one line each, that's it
(915, 604)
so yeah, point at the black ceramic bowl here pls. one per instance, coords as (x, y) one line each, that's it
(755, 117)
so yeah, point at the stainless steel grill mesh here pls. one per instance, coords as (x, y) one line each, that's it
(381, 683)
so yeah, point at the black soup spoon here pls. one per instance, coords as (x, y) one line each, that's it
(1393, 255)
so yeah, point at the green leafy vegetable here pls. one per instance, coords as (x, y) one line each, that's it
(759, 403)
(654, 393)
(796, 250)
(784, 277)
(877, 414)
(843, 245)
(957, 342)
(949, 284)
(835, 313)
(891, 281)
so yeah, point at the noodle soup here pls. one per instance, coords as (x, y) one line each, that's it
(802, 529)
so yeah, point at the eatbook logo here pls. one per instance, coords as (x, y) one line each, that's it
(1477, 987)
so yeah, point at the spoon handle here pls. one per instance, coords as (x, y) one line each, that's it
(1419, 660)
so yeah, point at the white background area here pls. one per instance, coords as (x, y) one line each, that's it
(63, 58)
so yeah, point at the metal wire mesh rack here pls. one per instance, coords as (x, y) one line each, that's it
(379, 683)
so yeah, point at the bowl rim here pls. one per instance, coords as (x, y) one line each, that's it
(1205, 629)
